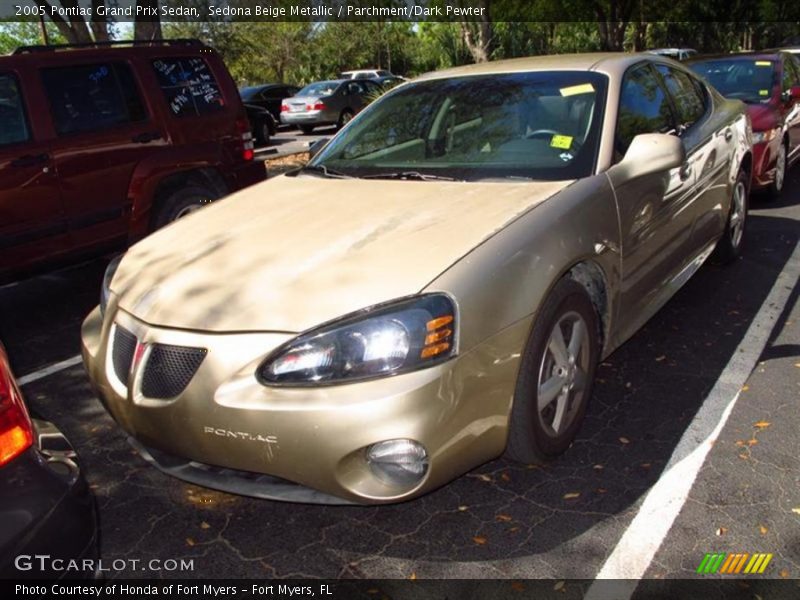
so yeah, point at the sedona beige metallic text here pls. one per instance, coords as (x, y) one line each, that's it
(434, 289)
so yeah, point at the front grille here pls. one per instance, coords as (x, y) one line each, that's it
(124, 345)
(169, 370)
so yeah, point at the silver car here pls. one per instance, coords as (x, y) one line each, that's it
(327, 103)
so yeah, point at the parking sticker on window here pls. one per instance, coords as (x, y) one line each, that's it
(763, 63)
(763, 92)
(584, 88)
(561, 141)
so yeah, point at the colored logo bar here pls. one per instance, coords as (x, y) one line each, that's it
(733, 563)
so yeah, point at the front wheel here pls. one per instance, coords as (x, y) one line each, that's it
(729, 246)
(556, 376)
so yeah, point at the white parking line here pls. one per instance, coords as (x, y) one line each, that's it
(636, 548)
(47, 371)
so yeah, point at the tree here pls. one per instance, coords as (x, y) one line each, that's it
(479, 35)
(75, 29)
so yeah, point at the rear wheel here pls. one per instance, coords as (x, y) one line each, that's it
(180, 203)
(729, 246)
(307, 129)
(263, 133)
(556, 376)
(344, 118)
(776, 187)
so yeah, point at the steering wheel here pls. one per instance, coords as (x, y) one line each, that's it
(541, 133)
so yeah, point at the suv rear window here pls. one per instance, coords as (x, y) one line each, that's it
(13, 125)
(92, 97)
(189, 86)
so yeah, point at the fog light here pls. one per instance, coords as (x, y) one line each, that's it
(398, 462)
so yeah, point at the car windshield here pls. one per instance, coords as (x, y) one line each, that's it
(321, 88)
(750, 80)
(541, 125)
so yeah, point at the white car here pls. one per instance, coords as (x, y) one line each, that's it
(365, 74)
(674, 53)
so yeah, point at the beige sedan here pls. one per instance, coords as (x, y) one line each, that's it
(434, 289)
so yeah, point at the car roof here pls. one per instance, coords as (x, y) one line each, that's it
(612, 63)
(762, 54)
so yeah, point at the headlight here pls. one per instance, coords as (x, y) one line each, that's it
(380, 341)
(107, 277)
(764, 136)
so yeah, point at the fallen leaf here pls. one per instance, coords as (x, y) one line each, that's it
(740, 443)
(763, 530)
(784, 573)
(503, 518)
(559, 585)
(645, 465)
(624, 440)
(373, 591)
(660, 358)
(752, 442)
(745, 388)
(598, 467)
(517, 586)
(505, 477)
(722, 531)
(412, 576)
(762, 424)
(601, 490)
(514, 529)
(463, 507)
(796, 511)
(484, 477)
(190, 542)
(205, 525)
(571, 495)
(797, 365)
(479, 539)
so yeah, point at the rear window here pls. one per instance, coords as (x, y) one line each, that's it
(92, 97)
(13, 125)
(747, 79)
(188, 86)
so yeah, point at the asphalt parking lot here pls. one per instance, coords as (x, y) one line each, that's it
(290, 141)
(662, 401)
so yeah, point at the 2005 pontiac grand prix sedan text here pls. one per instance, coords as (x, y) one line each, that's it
(433, 289)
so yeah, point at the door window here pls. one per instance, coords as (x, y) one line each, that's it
(13, 124)
(689, 104)
(92, 97)
(643, 108)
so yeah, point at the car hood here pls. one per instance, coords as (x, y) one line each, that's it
(295, 252)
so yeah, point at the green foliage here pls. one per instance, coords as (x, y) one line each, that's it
(14, 34)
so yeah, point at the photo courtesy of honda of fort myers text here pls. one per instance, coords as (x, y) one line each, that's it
(409, 300)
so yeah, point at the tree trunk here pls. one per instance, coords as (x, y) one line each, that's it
(479, 36)
(147, 27)
(75, 30)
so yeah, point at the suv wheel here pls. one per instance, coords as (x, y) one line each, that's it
(181, 203)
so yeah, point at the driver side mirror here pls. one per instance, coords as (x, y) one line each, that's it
(315, 146)
(648, 153)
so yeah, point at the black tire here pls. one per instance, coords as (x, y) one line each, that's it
(344, 118)
(263, 133)
(775, 189)
(730, 245)
(180, 203)
(530, 439)
(307, 129)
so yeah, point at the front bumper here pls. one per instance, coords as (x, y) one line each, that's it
(764, 162)
(226, 427)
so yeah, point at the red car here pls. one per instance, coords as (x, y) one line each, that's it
(769, 83)
(102, 143)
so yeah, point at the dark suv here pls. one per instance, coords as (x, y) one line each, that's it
(102, 143)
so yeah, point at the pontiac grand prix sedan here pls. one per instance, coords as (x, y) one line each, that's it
(432, 290)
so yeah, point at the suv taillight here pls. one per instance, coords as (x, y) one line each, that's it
(248, 151)
(16, 430)
(316, 106)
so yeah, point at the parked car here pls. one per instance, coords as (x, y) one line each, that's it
(366, 74)
(433, 289)
(100, 144)
(262, 124)
(674, 53)
(327, 103)
(46, 507)
(769, 83)
(268, 96)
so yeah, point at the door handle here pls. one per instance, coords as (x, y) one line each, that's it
(144, 138)
(728, 135)
(30, 160)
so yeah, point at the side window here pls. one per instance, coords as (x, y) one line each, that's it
(92, 97)
(643, 108)
(689, 103)
(13, 124)
(188, 86)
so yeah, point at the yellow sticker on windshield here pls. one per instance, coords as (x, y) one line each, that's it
(763, 92)
(561, 141)
(584, 88)
(763, 63)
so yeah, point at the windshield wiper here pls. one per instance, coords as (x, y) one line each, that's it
(410, 175)
(325, 172)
